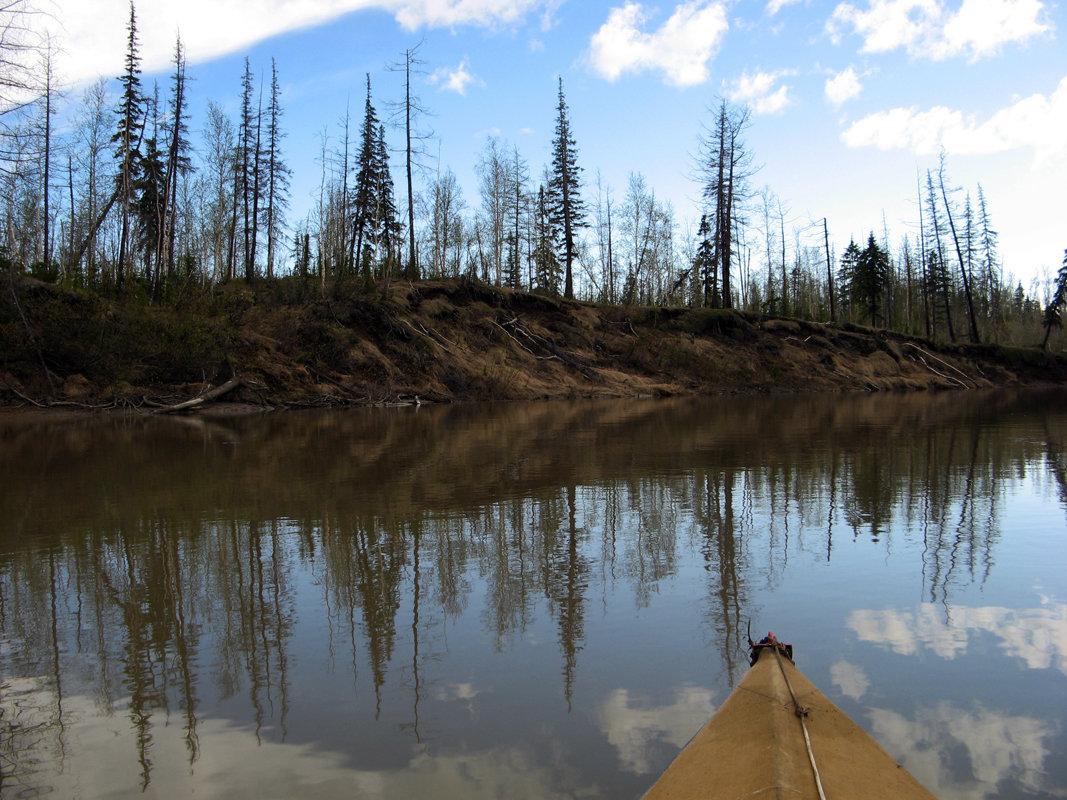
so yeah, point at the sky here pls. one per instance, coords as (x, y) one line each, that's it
(851, 102)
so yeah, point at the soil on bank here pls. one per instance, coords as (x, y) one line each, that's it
(286, 345)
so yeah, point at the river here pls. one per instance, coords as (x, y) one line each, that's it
(537, 600)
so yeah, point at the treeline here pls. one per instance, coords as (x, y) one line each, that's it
(123, 202)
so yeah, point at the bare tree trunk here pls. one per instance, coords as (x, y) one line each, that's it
(829, 270)
(959, 253)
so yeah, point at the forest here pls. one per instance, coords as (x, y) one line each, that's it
(109, 193)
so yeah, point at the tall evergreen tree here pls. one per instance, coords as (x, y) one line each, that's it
(149, 204)
(938, 287)
(546, 262)
(846, 274)
(277, 172)
(127, 138)
(388, 228)
(256, 164)
(364, 200)
(989, 261)
(566, 208)
(869, 280)
(248, 170)
(704, 259)
(1053, 317)
(178, 160)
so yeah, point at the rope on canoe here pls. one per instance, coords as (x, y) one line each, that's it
(769, 641)
(802, 714)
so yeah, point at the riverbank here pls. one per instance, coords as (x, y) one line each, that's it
(286, 345)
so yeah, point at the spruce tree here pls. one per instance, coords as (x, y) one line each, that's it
(869, 280)
(990, 262)
(248, 169)
(1053, 317)
(566, 208)
(388, 229)
(148, 205)
(127, 138)
(704, 262)
(364, 199)
(277, 172)
(846, 273)
(178, 161)
(546, 263)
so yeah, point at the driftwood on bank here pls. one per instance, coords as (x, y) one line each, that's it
(207, 397)
(512, 325)
(923, 355)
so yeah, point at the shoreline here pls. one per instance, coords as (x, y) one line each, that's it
(455, 342)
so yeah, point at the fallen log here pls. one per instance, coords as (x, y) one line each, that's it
(206, 397)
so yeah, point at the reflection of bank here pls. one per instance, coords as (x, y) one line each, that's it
(992, 749)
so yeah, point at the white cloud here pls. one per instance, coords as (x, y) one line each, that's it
(761, 91)
(843, 86)
(774, 6)
(1035, 122)
(681, 48)
(980, 27)
(93, 34)
(415, 14)
(455, 80)
(928, 29)
(887, 24)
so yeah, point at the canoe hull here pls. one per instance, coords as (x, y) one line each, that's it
(754, 747)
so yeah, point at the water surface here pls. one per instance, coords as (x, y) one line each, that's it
(531, 600)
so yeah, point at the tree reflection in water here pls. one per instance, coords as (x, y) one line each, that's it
(163, 570)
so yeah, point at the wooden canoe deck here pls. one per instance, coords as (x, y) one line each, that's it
(754, 748)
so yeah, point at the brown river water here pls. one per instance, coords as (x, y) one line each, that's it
(539, 600)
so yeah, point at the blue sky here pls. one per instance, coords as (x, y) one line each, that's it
(848, 99)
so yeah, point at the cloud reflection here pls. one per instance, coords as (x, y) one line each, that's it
(1000, 749)
(99, 760)
(850, 679)
(1037, 636)
(633, 726)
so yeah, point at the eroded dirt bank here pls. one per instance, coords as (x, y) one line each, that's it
(445, 341)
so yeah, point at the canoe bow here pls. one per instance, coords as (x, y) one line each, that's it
(778, 736)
